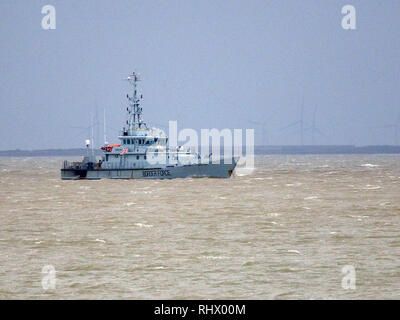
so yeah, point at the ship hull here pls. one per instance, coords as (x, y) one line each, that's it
(169, 172)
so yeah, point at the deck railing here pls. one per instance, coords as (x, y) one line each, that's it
(72, 165)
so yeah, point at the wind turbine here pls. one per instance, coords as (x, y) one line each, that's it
(94, 123)
(396, 129)
(262, 124)
(96, 120)
(314, 129)
(298, 122)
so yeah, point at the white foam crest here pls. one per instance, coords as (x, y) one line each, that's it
(142, 225)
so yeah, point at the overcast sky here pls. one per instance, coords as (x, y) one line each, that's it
(209, 64)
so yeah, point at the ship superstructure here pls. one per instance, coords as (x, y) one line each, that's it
(143, 153)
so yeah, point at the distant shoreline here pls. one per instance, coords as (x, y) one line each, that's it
(278, 150)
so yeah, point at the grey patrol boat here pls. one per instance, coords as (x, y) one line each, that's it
(143, 153)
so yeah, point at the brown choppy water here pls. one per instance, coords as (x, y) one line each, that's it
(285, 231)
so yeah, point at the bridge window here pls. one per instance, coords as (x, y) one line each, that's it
(137, 157)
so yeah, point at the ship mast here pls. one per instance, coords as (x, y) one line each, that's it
(134, 109)
(104, 128)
